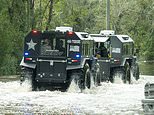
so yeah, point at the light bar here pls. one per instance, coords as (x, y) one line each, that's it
(34, 31)
(70, 33)
(64, 29)
(107, 32)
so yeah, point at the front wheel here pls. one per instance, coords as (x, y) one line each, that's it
(87, 77)
(121, 75)
(136, 71)
(97, 78)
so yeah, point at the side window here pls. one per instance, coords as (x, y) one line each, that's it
(102, 50)
(127, 48)
(74, 48)
(60, 45)
(87, 48)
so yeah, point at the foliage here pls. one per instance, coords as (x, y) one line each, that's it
(18, 17)
(135, 18)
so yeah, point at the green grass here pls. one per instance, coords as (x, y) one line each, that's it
(147, 68)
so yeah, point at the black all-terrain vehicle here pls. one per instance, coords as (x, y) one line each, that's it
(116, 56)
(52, 59)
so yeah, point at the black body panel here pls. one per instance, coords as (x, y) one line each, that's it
(31, 46)
(104, 68)
(53, 71)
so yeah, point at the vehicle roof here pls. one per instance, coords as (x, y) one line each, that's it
(124, 38)
(99, 37)
(83, 35)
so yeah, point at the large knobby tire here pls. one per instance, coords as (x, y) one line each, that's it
(127, 77)
(123, 74)
(136, 72)
(97, 78)
(87, 76)
(88, 79)
(98, 75)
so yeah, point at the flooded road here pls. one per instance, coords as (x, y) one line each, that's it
(107, 99)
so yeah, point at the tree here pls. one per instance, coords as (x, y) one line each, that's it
(135, 19)
(18, 17)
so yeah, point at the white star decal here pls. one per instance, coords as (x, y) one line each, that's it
(31, 45)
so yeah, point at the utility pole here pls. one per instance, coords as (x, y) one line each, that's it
(107, 14)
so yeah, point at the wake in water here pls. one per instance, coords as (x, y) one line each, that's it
(74, 87)
(118, 78)
(14, 86)
(26, 85)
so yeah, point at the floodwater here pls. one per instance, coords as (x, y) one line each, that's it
(107, 99)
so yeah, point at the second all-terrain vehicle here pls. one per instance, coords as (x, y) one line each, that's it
(116, 56)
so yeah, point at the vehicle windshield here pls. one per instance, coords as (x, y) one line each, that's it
(53, 47)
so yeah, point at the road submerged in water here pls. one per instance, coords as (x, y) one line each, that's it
(107, 99)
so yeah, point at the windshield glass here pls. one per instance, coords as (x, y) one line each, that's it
(53, 47)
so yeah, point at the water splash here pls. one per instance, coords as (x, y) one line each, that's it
(26, 85)
(118, 78)
(74, 88)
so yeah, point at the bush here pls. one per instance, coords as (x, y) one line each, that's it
(9, 66)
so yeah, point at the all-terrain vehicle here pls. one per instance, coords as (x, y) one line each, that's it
(116, 56)
(54, 58)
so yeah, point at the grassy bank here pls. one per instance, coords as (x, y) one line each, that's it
(9, 78)
(147, 67)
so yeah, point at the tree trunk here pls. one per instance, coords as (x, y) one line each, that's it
(32, 13)
(50, 14)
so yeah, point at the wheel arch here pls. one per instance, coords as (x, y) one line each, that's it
(28, 65)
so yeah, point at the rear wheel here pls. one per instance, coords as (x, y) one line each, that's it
(82, 78)
(88, 79)
(136, 71)
(122, 74)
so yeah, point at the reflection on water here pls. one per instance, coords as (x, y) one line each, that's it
(147, 67)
